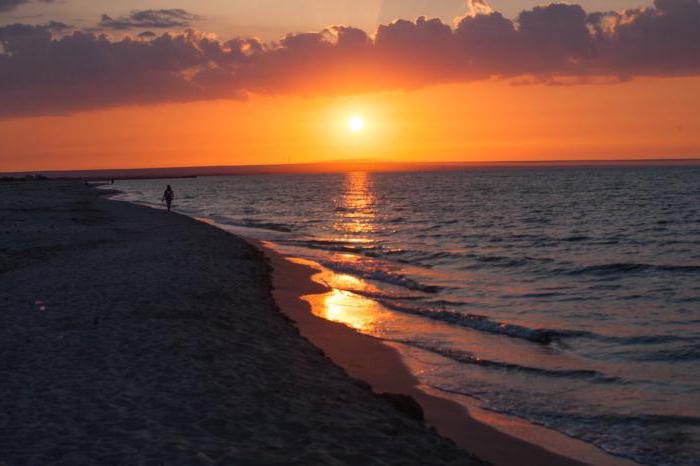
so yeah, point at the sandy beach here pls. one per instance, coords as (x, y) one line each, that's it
(131, 336)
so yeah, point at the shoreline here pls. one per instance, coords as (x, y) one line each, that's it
(132, 336)
(379, 364)
(370, 360)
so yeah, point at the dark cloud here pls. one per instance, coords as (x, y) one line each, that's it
(664, 40)
(43, 69)
(40, 75)
(150, 19)
(20, 39)
(8, 5)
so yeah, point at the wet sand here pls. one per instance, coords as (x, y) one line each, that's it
(132, 336)
(367, 358)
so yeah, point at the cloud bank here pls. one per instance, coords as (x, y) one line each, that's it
(44, 70)
(8, 5)
(150, 19)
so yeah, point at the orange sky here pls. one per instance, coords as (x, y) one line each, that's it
(486, 121)
(112, 80)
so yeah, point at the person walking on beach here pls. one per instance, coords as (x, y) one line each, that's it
(168, 196)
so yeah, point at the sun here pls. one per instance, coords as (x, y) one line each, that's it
(356, 124)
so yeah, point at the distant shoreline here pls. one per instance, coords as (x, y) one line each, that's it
(333, 167)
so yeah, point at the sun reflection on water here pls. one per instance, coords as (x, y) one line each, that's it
(355, 213)
(345, 304)
(355, 210)
(348, 308)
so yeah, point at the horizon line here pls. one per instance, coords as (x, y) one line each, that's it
(388, 165)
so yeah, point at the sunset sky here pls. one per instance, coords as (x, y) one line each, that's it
(88, 84)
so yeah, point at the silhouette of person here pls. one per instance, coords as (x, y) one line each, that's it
(168, 196)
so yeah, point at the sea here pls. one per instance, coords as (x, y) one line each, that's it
(565, 297)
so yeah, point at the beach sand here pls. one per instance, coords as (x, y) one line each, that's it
(132, 336)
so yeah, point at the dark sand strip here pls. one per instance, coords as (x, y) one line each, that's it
(367, 358)
(132, 336)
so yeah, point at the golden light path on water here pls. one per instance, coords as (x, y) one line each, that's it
(355, 210)
(355, 214)
(338, 305)
(349, 301)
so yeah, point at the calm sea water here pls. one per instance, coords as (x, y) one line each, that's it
(566, 297)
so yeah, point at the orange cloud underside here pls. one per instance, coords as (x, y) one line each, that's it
(489, 121)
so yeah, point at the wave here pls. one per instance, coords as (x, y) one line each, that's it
(378, 295)
(336, 245)
(686, 354)
(544, 265)
(376, 250)
(642, 419)
(465, 357)
(628, 267)
(482, 261)
(252, 223)
(423, 256)
(614, 268)
(542, 336)
(575, 239)
(644, 438)
(544, 294)
(646, 339)
(484, 324)
(384, 276)
(500, 261)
